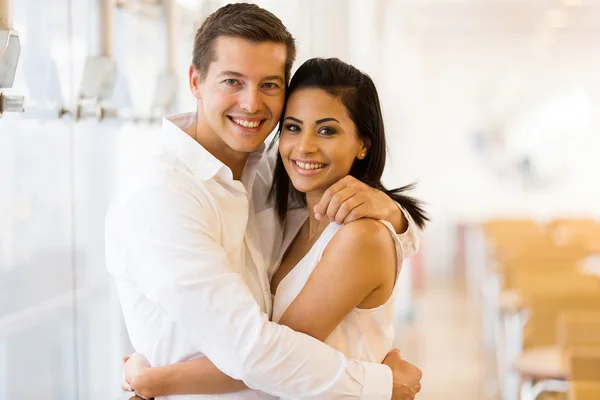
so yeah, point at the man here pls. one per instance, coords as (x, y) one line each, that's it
(190, 239)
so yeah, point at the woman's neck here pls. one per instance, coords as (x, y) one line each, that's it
(315, 227)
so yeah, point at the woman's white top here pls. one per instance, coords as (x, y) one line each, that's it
(365, 334)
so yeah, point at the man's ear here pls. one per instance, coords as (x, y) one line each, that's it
(195, 81)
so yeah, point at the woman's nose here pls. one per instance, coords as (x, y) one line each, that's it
(307, 143)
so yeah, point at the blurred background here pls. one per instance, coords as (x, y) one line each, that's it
(491, 105)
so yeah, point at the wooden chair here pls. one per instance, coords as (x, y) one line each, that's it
(543, 268)
(569, 349)
(531, 261)
(540, 329)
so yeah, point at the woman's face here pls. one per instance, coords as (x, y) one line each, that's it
(318, 142)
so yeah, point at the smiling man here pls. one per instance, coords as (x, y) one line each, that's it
(191, 239)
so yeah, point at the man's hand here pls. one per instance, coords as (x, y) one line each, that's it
(407, 377)
(350, 199)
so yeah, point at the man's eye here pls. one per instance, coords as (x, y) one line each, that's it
(270, 85)
(231, 82)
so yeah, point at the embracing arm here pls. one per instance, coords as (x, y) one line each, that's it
(173, 246)
(199, 376)
(349, 200)
(340, 280)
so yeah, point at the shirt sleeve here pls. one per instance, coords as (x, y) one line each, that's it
(173, 245)
(411, 237)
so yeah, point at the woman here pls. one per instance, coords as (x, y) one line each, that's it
(335, 283)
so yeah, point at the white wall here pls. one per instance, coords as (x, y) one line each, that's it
(465, 83)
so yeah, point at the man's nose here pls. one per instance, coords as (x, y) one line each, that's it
(250, 100)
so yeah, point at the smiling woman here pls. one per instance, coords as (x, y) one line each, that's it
(332, 127)
(318, 142)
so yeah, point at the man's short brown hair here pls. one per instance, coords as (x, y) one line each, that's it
(245, 21)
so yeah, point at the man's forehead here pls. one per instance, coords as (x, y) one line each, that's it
(249, 59)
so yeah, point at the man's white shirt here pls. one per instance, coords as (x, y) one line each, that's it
(190, 248)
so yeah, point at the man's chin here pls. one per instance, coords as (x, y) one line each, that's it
(247, 147)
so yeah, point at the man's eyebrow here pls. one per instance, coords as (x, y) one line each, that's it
(240, 75)
(274, 78)
(294, 119)
(232, 73)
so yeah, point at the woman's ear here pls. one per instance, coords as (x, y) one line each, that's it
(364, 148)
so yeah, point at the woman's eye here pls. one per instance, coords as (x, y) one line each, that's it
(326, 131)
(292, 128)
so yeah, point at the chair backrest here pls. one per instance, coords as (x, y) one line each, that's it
(578, 328)
(525, 245)
(506, 236)
(583, 364)
(553, 279)
(501, 227)
(544, 308)
(577, 232)
(584, 390)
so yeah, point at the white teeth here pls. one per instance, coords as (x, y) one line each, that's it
(247, 124)
(309, 166)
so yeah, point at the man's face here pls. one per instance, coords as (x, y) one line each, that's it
(241, 98)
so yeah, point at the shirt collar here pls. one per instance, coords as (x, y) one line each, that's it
(199, 160)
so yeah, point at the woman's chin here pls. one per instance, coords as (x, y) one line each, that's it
(302, 189)
(305, 188)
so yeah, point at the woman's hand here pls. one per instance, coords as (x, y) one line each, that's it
(197, 376)
(133, 372)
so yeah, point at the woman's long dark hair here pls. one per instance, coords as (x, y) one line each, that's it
(359, 95)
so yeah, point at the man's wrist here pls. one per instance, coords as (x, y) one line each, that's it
(378, 381)
(396, 218)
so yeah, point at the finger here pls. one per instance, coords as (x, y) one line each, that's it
(321, 208)
(359, 211)
(125, 386)
(124, 383)
(341, 205)
(419, 373)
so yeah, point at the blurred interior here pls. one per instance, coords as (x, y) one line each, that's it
(491, 105)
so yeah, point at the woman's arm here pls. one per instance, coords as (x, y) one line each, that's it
(340, 282)
(199, 376)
